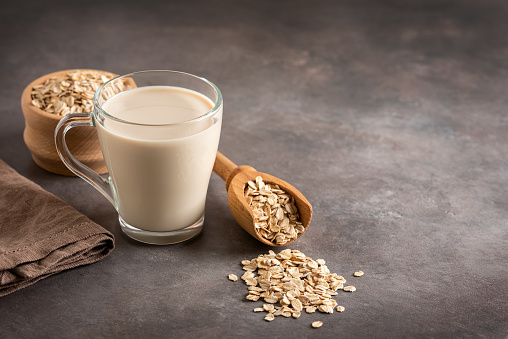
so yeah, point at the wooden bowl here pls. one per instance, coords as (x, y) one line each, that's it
(39, 132)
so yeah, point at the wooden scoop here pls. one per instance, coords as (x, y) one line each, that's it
(237, 177)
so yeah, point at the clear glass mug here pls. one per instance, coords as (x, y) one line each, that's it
(159, 133)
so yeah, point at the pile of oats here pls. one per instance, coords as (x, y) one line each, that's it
(294, 281)
(275, 214)
(69, 93)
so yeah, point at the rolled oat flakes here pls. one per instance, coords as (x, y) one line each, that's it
(71, 92)
(289, 282)
(275, 213)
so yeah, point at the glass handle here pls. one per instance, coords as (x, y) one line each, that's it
(78, 168)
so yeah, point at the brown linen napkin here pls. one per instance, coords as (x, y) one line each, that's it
(41, 235)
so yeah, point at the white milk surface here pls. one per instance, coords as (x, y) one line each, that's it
(160, 173)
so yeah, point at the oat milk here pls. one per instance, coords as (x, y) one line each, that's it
(160, 174)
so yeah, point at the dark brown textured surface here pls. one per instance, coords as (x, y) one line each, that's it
(389, 116)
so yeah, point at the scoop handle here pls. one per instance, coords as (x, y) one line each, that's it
(226, 169)
(223, 166)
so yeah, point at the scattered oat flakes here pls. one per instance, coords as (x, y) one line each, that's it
(349, 288)
(269, 317)
(259, 309)
(310, 309)
(268, 307)
(252, 297)
(341, 308)
(358, 274)
(325, 309)
(290, 282)
(232, 277)
(317, 324)
(71, 92)
(275, 214)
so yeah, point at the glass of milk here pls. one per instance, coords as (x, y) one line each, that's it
(159, 133)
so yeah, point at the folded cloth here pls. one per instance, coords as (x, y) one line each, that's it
(41, 235)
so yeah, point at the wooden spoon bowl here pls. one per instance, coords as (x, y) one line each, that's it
(237, 178)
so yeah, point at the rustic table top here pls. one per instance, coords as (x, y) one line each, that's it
(389, 116)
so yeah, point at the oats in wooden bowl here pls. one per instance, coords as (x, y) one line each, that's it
(49, 98)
